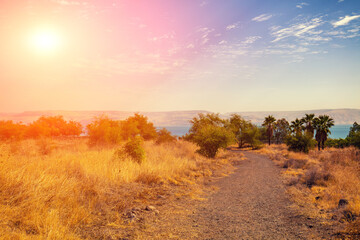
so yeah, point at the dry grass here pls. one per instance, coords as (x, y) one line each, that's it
(322, 178)
(64, 190)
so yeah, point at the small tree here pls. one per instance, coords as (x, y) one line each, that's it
(281, 130)
(164, 136)
(239, 126)
(354, 135)
(210, 133)
(252, 136)
(132, 149)
(211, 138)
(104, 130)
(138, 124)
(300, 143)
(269, 124)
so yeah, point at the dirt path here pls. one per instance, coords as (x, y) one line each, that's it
(250, 203)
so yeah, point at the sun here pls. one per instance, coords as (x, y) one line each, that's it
(45, 40)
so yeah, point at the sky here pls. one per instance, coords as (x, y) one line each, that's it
(173, 55)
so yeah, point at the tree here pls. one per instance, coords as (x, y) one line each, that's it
(322, 124)
(300, 143)
(104, 130)
(138, 124)
(252, 135)
(10, 130)
(308, 120)
(210, 133)
(297, 127)
(269, 124)
(354, 135)
(164, 136)
(281, 130)
(53, 126)
(238, 126)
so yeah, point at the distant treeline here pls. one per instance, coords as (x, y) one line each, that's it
(54, 126)
(102, 130)
(208, 131)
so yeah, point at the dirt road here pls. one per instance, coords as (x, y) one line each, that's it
(250, 203)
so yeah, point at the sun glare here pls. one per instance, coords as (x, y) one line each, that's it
(45, 41)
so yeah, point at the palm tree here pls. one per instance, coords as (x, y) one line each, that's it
(297, 126)
(269, 124)
(309, 125)
(322, 124)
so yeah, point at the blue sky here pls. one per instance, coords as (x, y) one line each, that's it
(222, 56)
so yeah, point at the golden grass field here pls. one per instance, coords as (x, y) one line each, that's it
(318, 180)
(63, 189)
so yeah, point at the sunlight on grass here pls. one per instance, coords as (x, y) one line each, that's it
(61, 192)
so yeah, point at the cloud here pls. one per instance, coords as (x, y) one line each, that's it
(345, 20)
(262, 17)
(300, 30)
(341, 1)
(301, 5)
(252, 39)
(229, 27)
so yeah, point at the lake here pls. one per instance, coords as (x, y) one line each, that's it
(337, 131)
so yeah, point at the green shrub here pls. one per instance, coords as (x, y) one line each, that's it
(164, 136)
(252, 136)
(133, 149)
(354, 135)
(211, 138)
(300, 143)
(337, 143)
(104, 131)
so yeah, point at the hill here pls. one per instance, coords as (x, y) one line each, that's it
(182, 118)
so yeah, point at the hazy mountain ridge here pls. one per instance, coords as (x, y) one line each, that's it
(182, 118)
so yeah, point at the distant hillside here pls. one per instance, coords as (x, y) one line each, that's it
(171, 118)
(182, 118)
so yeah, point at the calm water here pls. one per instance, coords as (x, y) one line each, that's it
(340, 131)
(337, 131)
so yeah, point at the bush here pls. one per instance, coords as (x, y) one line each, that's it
(164, 136)
(315, 176)
(252, 136)
(103, 130)
(211, 138)
(354, 135)
(300, 143)
(295, 163)
(54, 126)
(133, 149)
(11, 130)
(138, 124)
(337, 143)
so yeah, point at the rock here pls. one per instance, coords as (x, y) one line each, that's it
(342, 203)
(156, 212)
(317, 198)
(150, 208)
